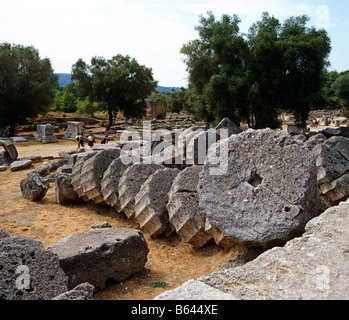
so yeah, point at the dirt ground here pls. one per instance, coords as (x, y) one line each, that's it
(169, 260)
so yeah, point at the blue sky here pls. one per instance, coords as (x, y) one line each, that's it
(151, 31)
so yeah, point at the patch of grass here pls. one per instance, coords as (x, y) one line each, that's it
(159, 284)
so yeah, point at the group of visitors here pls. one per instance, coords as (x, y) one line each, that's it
(316, 121)
(79, 139)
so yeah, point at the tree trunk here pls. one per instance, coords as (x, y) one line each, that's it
(12, 129)
(111, 118)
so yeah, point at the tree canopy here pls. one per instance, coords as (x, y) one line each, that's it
(253, 77)
(341, 87)
(27, 84)
(120, 82)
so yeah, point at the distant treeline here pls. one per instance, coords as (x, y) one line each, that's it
(65, 78)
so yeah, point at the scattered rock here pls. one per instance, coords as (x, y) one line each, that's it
(33, 187)
(43, 170)
(5, 158)
(64, 191)
(28, 271)
(3, 234)
(313, 141)
(83, 291)
(100, 255)
(101, 225)
(20, 165)
(10, 149)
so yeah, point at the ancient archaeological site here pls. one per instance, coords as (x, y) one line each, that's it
(220, 213)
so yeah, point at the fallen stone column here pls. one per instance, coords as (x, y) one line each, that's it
(151, 200)
(185, 215)
(92, 173)
(267, 192)
(130, 183)
(76, 173)
(110, 181)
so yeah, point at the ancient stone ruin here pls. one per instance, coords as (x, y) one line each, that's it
(257, 189)
(74, 127)
(267, 193)
(45, 134)
(156, 108)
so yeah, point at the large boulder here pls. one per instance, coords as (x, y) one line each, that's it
(131, 182)
(20, 165)
(266, 191)
(33, 187)
(151, 200)
(312, 267)
(100, 255)
(28, 271)
(10, 149)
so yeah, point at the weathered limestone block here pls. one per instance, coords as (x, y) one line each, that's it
(10, 149)
(100, 255)
(5, 158)
(33, 187)
(228, 125)
(28, 271)
(74, 127)
(267, 192)
(45, 134)
(83, 291)
(67, 168)
(332, 161)
(151, 200)
(64, 191)
(110, 181)
(92, 173)
(130, 183)
(20, 165)
(43, 170)
(312, 267)
(313, 141)
(185, 215)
